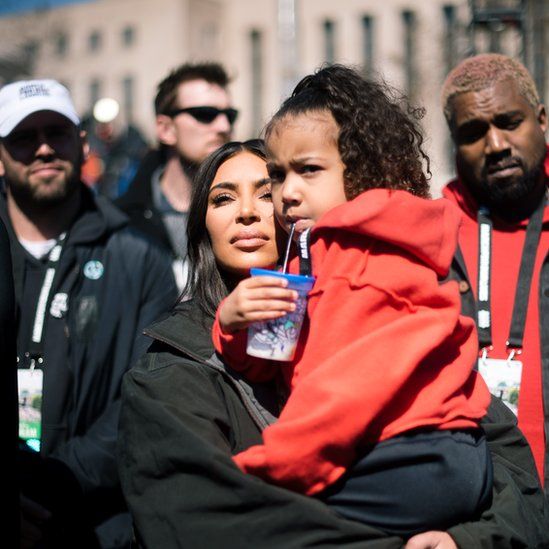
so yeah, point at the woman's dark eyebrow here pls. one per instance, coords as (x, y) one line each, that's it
(233, 186)
(223, 185)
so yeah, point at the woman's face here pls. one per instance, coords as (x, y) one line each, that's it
(239, 219)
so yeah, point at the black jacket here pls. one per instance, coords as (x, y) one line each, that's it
(184, 414)
(8, 388)
(138, 204)
(468, 307)
(89, 348)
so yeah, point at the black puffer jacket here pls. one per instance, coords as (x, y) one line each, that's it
(184, 414)
(8, 389)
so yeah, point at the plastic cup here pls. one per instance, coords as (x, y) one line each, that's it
(277, 339)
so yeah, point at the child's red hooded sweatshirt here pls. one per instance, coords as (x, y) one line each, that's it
(385, 349)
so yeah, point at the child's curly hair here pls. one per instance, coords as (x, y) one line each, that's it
(379, 143)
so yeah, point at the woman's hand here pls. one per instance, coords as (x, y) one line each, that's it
(431, 540)
(255, 299)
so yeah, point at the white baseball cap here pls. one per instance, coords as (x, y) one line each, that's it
(23, 98)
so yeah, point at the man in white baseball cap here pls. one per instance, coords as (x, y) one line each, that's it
(86, 286)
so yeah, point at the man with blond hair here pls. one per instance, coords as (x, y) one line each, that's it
(498, 124)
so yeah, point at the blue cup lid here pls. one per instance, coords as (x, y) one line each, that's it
(304, 282)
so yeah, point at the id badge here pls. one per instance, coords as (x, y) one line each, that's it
(30, 384)
(503, 379)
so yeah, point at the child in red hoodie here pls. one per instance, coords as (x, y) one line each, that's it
(382, 421)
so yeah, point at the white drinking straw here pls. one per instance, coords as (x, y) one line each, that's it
(287, 252)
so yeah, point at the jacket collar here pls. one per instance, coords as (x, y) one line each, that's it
(186, 329)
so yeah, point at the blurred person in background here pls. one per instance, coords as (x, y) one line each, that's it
(8, 383)
(194, 117)
(85, 286)
(116, 150)
(498, 127)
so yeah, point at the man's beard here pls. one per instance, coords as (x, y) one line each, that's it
(509, 194)
(515, 197)
(29, 196)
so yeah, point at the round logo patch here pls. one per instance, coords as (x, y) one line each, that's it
(93, 269)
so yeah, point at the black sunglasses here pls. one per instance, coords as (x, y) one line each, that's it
(206, 115)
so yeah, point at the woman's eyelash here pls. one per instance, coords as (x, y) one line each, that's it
(219, 199)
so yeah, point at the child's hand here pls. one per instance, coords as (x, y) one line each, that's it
(256, 298)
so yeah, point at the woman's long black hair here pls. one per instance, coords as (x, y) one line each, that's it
(206, 283)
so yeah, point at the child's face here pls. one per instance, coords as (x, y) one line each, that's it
(305, 168)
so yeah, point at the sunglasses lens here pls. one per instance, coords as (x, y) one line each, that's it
(206, 115)
(231, 115)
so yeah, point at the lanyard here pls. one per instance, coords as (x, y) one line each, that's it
(304, 253)
(518, 318)
(35, 352)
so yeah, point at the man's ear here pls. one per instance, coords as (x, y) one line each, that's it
(85, 144)
(542, 117)
(165, 130)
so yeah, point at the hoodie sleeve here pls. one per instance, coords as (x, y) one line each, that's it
(233, 349)
(371, 368)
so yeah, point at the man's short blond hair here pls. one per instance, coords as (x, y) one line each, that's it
(483, 71)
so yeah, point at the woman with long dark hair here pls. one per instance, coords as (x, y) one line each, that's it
(184, 412)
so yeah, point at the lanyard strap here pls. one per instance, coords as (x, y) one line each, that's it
(524, 283)
(304, 253)
(37, 337)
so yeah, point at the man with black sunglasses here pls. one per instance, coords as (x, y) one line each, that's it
(194, 117)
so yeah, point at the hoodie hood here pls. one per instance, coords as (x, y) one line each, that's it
(98, 219)
(403, 220)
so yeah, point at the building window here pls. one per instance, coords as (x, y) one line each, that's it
(61, 45)
(128, 36)
(95, 92)
(410, 76)
(367, 45)
(30, 51)
(256, 47)
(209, 37)
(450, 60)
(94, 41)
(128, 92)
(329, 41)
(449, 37)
